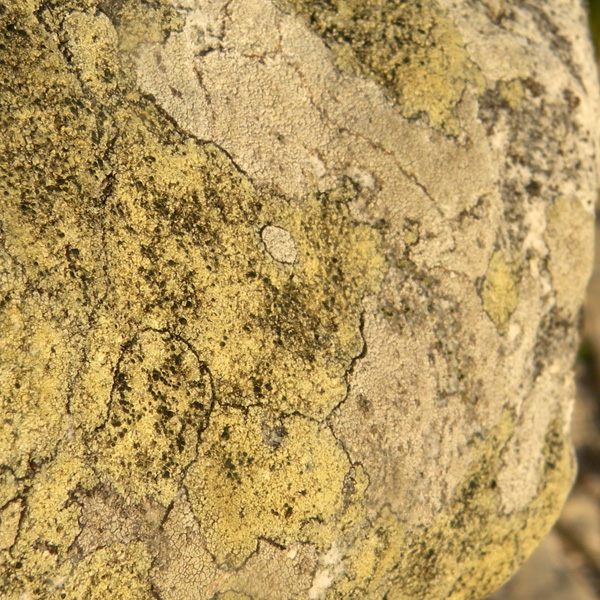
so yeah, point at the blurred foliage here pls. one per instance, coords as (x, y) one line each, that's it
(594, 7)
(585, 355)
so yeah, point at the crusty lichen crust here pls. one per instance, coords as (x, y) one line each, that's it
(412, 49)
(287, 305)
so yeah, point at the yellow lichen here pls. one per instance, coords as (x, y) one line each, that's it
(9, 487)
(449, 557)
(119, 571)
(569, 234)
(139, 298)
(263, 476)
(512, 93)
(151, 348)
(97, 66)
(139, 22)
(10, 515)
(499, 290)
(160, 400)
(34, 359)
(410, 48)
(50, 520)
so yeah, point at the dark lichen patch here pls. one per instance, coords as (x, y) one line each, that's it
(270, 336)
(555, 334)
(160, 402)
(541, 134)
(411, 48)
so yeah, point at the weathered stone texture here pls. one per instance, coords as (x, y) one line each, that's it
(289, 293)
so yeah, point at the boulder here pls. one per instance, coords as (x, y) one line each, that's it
(289, 293)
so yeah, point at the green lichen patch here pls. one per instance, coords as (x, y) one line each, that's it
(499, 290)
(411, 48)
(264, 477)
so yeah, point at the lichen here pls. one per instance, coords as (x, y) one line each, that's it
(499, 290)
(512, 93)
(48, 522)
(118, 571)
(260, 476)
(137, 303)
(448, 558)
(160, 401)
(177, 338)
(411, 48)
(570, 264)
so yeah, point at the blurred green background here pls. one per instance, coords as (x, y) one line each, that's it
(594, 6)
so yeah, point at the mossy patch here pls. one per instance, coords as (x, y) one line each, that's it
(411, 48)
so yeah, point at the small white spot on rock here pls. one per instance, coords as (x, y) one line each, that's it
(363, 179)
(279, 244)
(204, 31)
(321, 583)
(333, 567)
(318, 166)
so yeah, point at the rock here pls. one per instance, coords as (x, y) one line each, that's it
(289, 294)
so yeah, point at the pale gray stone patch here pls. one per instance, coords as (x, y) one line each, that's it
(279, 244)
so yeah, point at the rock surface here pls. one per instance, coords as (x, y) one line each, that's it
(289, 294)
(567, 563)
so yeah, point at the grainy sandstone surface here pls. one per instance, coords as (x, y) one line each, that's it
(289, 293)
